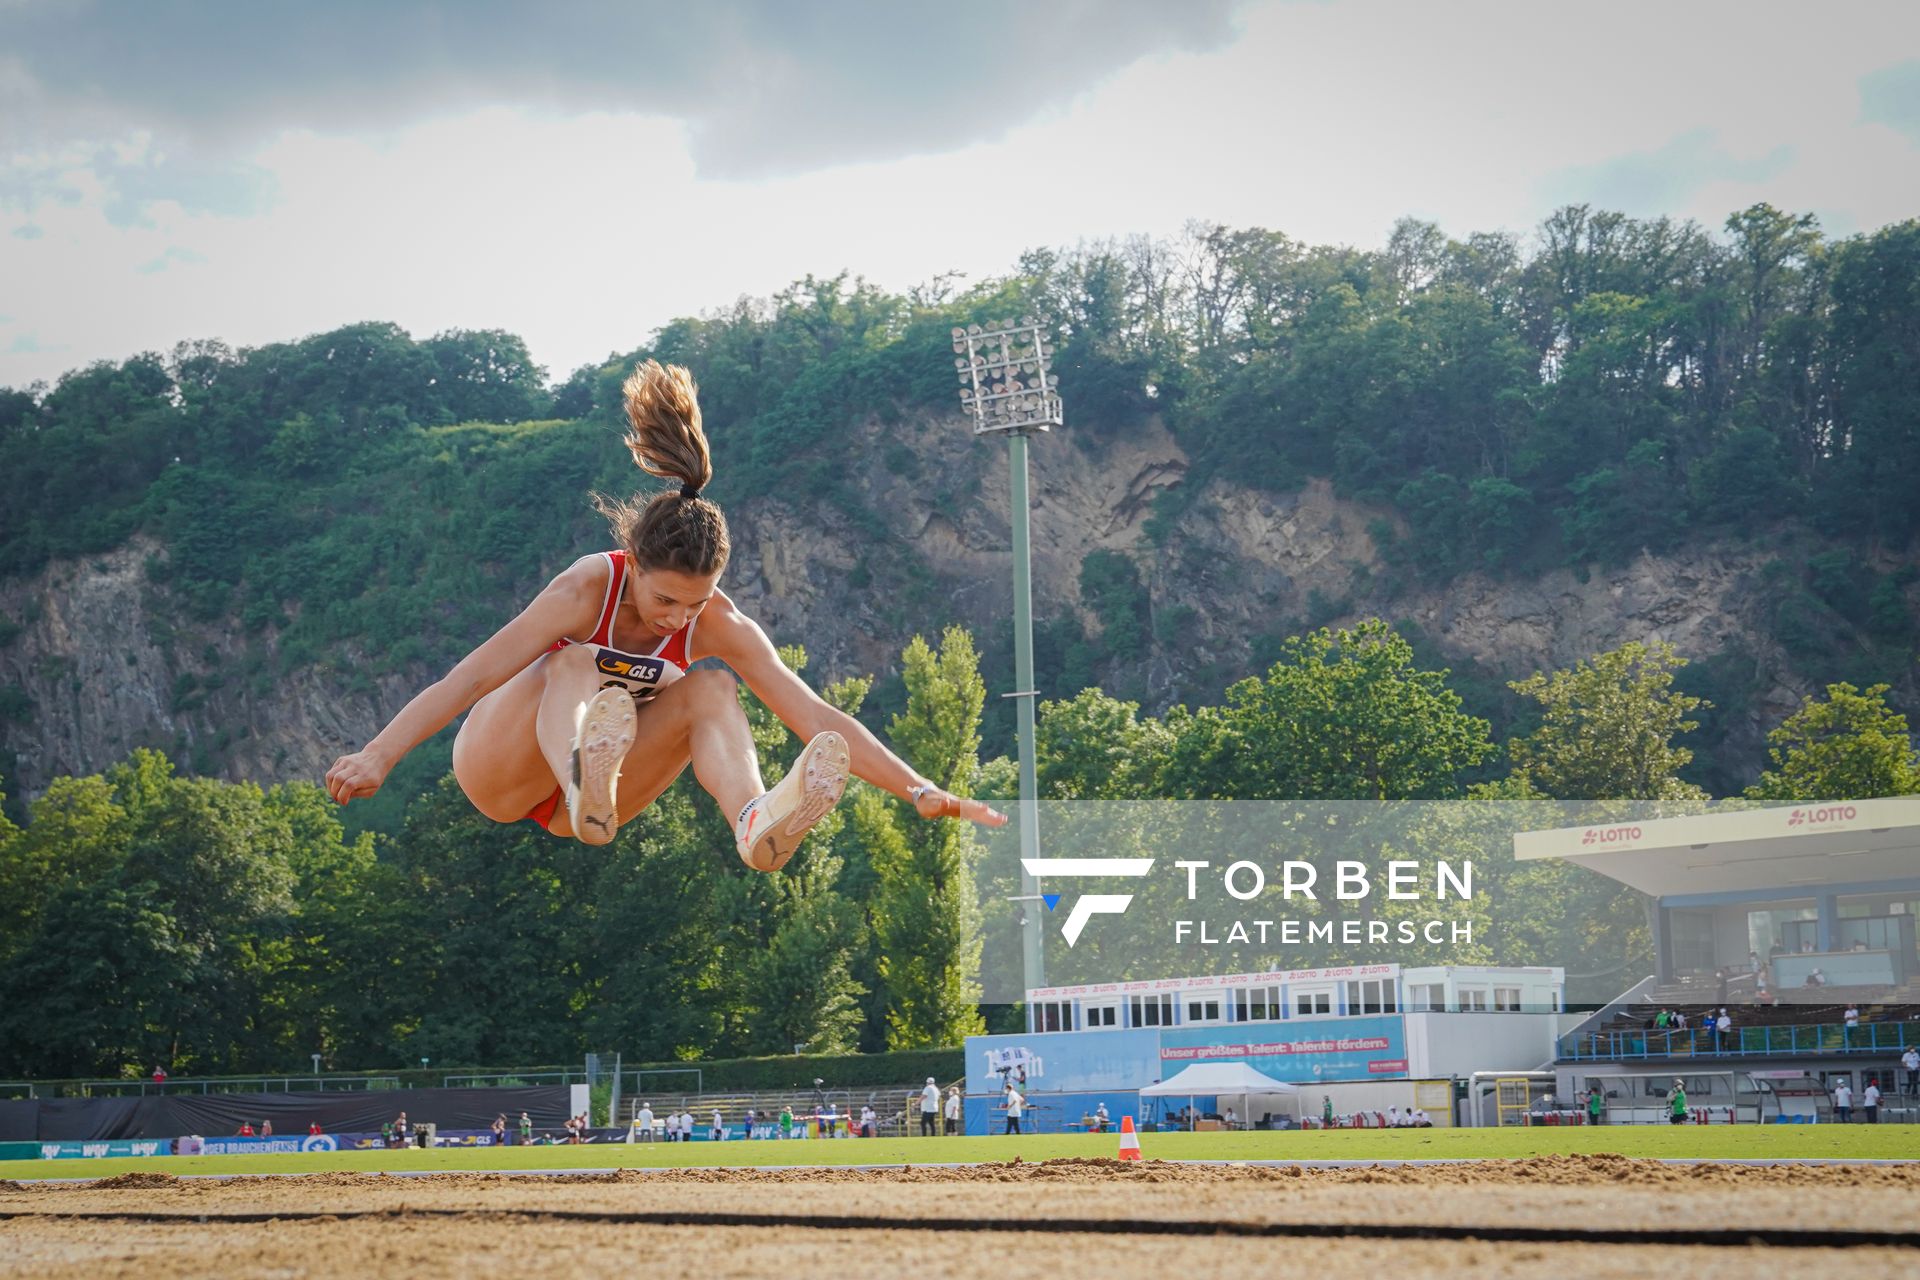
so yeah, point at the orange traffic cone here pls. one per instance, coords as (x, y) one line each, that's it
(1129, 1140)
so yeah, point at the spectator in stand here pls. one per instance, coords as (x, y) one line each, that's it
(159, 1075)
(266, 1128)
(1870, 1100)
(1911, 1061)
(953, 1109)
(1843, 1102)
(526, 1130)
(1015, 1103)
(313, 1129)
(245, 1130)
(1806, 947)
(1815, 979)
(1722, 1028)
(499, 1127)
(929, 1107)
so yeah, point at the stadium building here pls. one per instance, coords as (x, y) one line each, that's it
(1785, 917)
(1365, 1037)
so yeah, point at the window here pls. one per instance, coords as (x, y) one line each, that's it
(1100, 1015)
(1053, 1015)
(1153, 1011)
(1427, 997)
(1506, 999)
(1204, 1009)
(1370, 996)
(1308, 1002)
(1256, 1004)
(1473, 999)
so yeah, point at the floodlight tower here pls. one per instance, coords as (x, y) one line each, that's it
(1005, 386)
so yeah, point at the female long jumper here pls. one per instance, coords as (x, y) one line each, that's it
(583, 709)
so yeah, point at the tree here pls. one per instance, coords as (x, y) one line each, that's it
(1095, 747)
(926, 915)
(1607, 729)
(1851, 746)
(1342, 715)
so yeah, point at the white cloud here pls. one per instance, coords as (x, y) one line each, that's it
(584, 232)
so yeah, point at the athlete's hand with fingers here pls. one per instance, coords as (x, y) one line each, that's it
(931, 802)
(357, 776)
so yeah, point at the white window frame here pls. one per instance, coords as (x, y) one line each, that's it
(1318, 1002)
(1506, 999)
(1269, 996)
(1162, 1003)
(1092, 1012)
(1474, 1000)
(1202, 1000)
(1062, 1011)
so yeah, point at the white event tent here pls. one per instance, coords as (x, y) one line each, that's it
(1221, 1079)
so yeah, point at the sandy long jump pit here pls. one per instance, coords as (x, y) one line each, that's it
(1559, 1216)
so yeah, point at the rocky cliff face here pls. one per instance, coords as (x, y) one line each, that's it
(107, 665)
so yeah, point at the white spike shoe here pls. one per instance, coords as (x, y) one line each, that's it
(601, 736)
(772, 825)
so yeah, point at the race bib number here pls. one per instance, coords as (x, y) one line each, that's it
(642, 677)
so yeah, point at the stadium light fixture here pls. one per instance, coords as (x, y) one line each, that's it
(1005, 387)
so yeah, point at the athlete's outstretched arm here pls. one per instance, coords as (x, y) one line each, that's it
(737, 640)
(503, 655)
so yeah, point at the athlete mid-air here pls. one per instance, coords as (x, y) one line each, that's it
(583, 709)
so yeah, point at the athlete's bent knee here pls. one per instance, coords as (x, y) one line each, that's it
(711, 688)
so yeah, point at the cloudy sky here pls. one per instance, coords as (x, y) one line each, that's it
(580, 173)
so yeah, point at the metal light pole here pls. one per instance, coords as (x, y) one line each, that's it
(1005, 386)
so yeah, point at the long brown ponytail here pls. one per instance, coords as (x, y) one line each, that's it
(676, 529)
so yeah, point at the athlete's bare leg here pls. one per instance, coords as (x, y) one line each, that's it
(516, 745)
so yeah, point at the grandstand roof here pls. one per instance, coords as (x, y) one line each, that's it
(1795, 850)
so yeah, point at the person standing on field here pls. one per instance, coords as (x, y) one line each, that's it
(929, 1107)
(1678, 1099)
(953, 1110)
(1015, 1104)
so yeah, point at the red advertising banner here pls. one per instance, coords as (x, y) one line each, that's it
(1289, 1048)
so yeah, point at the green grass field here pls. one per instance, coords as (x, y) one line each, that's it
(1832, 1142)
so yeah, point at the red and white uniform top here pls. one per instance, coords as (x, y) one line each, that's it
(641, 674)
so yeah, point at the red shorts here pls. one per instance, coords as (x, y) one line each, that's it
(544, 811)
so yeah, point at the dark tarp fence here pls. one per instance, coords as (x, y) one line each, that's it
(220, 1114)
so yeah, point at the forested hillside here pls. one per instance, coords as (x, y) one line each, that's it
(1629, 483)
(1617, 387)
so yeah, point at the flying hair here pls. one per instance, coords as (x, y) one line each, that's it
(676, 529)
